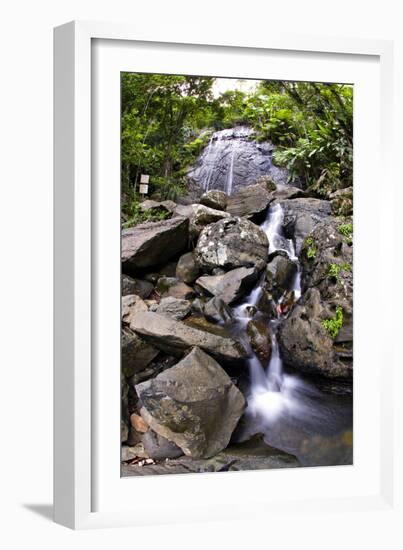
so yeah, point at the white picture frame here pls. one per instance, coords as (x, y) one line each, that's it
(88, 491)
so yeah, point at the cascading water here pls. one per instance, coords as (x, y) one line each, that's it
(282, 406)
(233, 159)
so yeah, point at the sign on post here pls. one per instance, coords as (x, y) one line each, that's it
(144, 179)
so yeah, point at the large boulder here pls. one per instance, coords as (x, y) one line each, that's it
(230, 286)
(158, 447)
(137, 354)
(218, 311)
(307, 345)
(215, 199)
(156, 207)
(182, 404)
(231, 243)
(302, 215)
(251, 201)
(155, 243)
(177, 338)
(171, 286)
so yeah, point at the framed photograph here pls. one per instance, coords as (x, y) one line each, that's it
(217, 230)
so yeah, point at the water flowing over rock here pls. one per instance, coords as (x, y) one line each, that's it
(175, 337)
(183, 403)
(153, 243)
(302, 215)
(233, 160)
(230, 243)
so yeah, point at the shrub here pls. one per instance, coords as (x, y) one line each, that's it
(334, 324)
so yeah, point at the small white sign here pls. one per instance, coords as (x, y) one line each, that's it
(144, 178)
(143, 189)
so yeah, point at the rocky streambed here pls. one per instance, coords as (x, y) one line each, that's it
(237, 333)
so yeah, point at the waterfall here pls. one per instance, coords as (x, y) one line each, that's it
(271, 391)
(233, 159)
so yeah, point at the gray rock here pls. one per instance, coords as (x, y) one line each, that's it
(171, 286)
(231, 243)
(280, 273)
(254, 454)
(260, 339)
(305, 214)
(173, 307)
(284, 192)
(215, 199)
(230, 286)
(251, 201)
(131, 304)
(153, 243)
(305, 343)
(187, 269)
(202, 216)
(136, 353)
(217, 310)
(155, 206)
(158, 447)
(183, 403)
(136, 286)
(175, 337)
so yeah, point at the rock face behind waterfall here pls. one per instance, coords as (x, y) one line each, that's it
(233, 160)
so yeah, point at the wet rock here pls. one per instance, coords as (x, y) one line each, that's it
(305, 343)
(238, 161)
(215, 199)
(176, 337)
(187, 269)
(174, 308)
(280, 273)
(183, 403)
(136, 286)
(254, 454)
(305, 214)
(231, 243)
(136, 353)
(251, 201)
(131, 304)
(158, 447)
(153, 243)
(260, 339)
(231, 286)
(217, 310)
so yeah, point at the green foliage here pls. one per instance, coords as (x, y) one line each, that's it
(164, 120)
(335, 270)
(334, 324)
(136, 216)
(161, 117)
(346, 229)
(311, 249)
